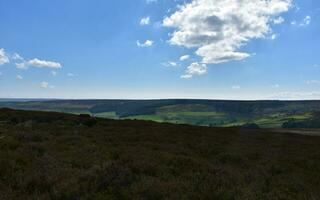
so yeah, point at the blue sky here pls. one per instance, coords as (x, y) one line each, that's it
(142, 49)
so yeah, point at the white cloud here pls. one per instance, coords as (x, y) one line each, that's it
(44, 64)
(23, 65)
(305, 22)
(278, 20)
(219, 28)
(195, 69)
(184, 58)
(44, 84)
(145, 21)
(19, 77)
(273, 36)
(16, 56)
(147, 43)
(170, 64)
(3, 57)
(186, 76)
(38, 63)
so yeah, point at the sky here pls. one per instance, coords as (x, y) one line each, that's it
(159, 49)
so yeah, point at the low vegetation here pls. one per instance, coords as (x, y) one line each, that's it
(218, 113)
(61, 156)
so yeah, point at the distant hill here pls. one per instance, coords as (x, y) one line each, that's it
(61, 156)
(312, 122)
(221, 113)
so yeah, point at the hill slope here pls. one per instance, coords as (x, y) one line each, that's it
(267, 114)
(60, 156)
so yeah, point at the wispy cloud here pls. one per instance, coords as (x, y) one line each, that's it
(273, 36)
(170, 64)
(19, 77)
(16, 56)
(46, 85)
(278, 20)
(147, 43)
(305, 22)
(145, 21)
(184, 58)
(3, 57)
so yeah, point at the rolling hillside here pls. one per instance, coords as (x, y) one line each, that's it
(220, 113)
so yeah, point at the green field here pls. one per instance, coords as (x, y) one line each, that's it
(108, 115)
(266, 114)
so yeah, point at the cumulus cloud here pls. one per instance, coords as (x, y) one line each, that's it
(145, 21)
(147, 43)
(278, 20)
(184, 58)
(3, 57)
(38, 63)
(219, 28)
(195, 69)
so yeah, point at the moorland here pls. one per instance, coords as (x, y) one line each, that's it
(49, 155)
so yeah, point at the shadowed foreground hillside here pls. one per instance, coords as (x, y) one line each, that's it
(60, 156)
